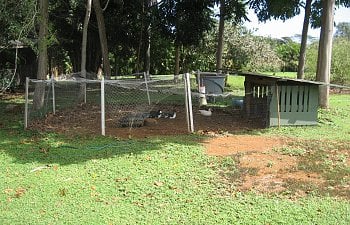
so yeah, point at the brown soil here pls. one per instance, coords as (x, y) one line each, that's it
(261, 167)
(86, 120)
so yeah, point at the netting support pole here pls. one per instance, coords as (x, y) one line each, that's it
(26, 104)
(186, 105)
(53, 94)
(145, 76)
(189, 112)
(103, 125)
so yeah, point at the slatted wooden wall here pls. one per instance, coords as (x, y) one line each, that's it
(294, 105)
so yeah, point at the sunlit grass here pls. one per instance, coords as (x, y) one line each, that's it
(48, 178)
(54, 179)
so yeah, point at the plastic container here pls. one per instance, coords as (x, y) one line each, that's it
(214, 84)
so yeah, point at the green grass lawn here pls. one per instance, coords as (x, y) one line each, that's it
(48, 178)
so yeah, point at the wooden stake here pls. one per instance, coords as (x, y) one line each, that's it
(278, 106)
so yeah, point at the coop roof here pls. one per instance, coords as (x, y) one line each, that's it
(287, 80)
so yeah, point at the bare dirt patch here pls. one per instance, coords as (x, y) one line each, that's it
(231, 145)
(261, 167)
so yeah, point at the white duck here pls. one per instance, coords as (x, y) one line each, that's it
(206, 112)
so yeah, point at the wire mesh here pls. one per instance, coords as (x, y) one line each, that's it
(63, 107)
(129, 103)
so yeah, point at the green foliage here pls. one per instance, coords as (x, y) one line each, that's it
(288, 52)
(248, 52)
(162, 55)
(340, 61)
(242, 51)
(17, 21)
(292, 151)
(234, 11)
(275, 9)
(340, 70)
(185, 21)
(343, 30)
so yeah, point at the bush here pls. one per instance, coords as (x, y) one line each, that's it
(340, 70)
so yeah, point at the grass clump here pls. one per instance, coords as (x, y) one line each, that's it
(291, 151)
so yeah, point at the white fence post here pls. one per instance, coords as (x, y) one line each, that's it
(189, 103)
(53, 95)
(145, 76)
(103, 125)
(186, 104)
(26, 104)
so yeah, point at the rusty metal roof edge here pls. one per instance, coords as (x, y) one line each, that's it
(291, 79)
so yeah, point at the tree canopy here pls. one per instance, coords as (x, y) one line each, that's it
(185, 31)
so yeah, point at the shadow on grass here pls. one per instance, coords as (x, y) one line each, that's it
(51, 148)
(26, 146)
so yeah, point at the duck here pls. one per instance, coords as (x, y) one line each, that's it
(169, 115)
(206, 112)
(155, 114)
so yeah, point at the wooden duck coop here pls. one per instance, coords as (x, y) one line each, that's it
(276, 101)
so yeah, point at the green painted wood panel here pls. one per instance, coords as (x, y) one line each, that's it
(288, 98)
(301, 99)
(308, 101)
(295, 95)
(313, 99)
(282, 94)
(306, 98)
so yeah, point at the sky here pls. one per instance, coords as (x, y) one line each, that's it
(279, 29)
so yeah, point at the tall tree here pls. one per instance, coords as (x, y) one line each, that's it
(82, 94)
(325, 51)
(184, 22)
(303, 45)
(103, 38)
(84, 41)
(220, 45)
(38, 100)
(147, 61)
(234, 10)
(286, 9)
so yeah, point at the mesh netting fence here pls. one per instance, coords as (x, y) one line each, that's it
(131, 101)
(131, 106)
(122, 106)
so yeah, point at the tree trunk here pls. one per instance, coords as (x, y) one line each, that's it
(103, 38)
(138, 62)
(147, 64)
(39, 93)
(82, 94)
(302, 54)
(220, 46)
(325, 51)
(84, 41)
